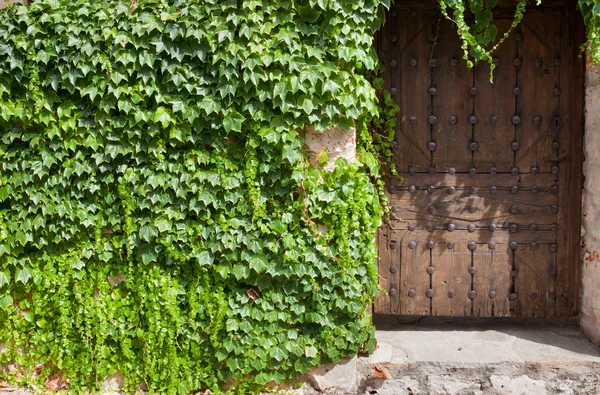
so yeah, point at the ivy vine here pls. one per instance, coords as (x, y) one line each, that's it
(157, 214)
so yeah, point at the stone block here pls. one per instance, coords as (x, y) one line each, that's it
(336, 377)
(522, 385)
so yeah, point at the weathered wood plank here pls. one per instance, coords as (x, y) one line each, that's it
(492, 281)
(481, 237)
(534, 282)
(382, 303)
(452, 103)
(451, 280)
(537, 77)
(466, 181)
(494, 108)
(414, 132)
(414, 279)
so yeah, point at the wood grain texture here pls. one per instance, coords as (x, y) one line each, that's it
(453, 82)
(465, 181)
(451, 280)
(414, 276)
(496, 100)
(492, 281)
(534, 284)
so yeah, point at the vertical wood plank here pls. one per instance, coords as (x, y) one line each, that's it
(538, 76)
(492, 281)
(451, 280)
(534, 282)
(382, 303)
(414, 278)
(414, 132)
(452, 103)
(495, 107)
(570, 177)
(394, 257)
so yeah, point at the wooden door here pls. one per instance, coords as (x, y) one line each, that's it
(486, 211)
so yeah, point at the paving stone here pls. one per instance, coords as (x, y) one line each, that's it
(342, 376)
(522, 385)
(447, 385)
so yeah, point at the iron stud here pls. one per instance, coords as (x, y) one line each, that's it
(516, 120)
(393, 292)
(412, 293)
(433, 91)
(537, 120)
(472, 270)
(412, 244)
(471, 228)
(412, 119)
(554, 189)
(556, 91)
(553, 247)
(430, 228)
(451, 171)
(492, 227)
(517, 61)
(533, 245)
(514, 209)
(557, 62)
(555, 208)
(451, 190)
(473, 171)
(515, 146)
(512, 297)
(533, 228)
(394, 38)
(430, 244)
(555, 145)
(431, 209)
(473, 190)
(538, 62)
(451, 245)
(393, 269)
(432, 119)
(514, 228)
(393, 244)
(554, 227)
(473, 119)
(472, 209)
(413, 62)
(429, 293)
(534, 189)
(454, 62)
(433, 62)
(393, 63)
(472, 295)
(412, 170)
(393, 91)
(453, 119)
(431, 189)
(451, 227)
(472, 245)
(554, 170)
(494, 119)
(514, 273)
(513, 245)
(473, 91)
(492, 294)
(514, 171)
(474, 146)
(493, 189)
(431, 170)
(493, 170)
(516, 91)
(412, 189)
(534, 170)
(514, 189)
(451, 294)
(430, 270)
(432, 146)
(492, 245)
(412, 227)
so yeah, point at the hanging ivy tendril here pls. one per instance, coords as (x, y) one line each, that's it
(478, 39)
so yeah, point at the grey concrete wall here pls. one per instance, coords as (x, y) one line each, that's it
(590, 271)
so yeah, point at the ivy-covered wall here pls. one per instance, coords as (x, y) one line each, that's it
(157, 214)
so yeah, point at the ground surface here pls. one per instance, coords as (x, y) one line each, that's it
(436, 356)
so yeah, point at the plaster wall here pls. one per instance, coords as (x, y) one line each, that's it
(590, 269)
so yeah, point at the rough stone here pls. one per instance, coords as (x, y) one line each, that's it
(335, 377)
(450, 386)
(338, 143)
(518, 385)
(590, 272)
(113, 383)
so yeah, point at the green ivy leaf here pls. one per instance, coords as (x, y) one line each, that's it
(5, 302)
(23, 275)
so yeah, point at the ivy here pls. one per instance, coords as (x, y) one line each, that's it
(157, 215)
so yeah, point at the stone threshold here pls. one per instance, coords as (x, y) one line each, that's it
(428, 355)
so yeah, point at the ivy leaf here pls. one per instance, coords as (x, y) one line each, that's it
(23, 275)
(148, 253)
(162, 116)
(163, 224)
(6, 302)
(205, 258)
(291, 154)
(4, 279)
(233, 121)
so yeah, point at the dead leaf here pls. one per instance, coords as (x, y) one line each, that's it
(252, 294)
(55, 381)
(382, 372)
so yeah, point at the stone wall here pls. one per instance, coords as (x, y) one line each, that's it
(590, 270)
